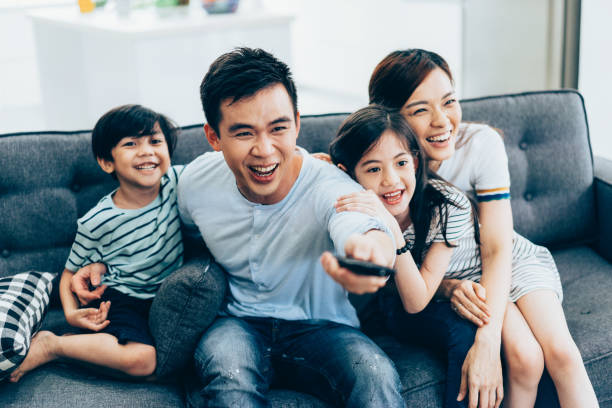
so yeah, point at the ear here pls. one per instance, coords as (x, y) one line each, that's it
(106, 165)
(342, 167)
(212, 137)
(297, 124)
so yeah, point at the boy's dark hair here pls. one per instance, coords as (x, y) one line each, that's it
(239, 74)
(129, 121)
(361, 131)
(397, 76)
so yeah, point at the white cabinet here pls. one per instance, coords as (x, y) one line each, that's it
(89, 63)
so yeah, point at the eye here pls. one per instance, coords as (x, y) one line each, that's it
(157, 141)
(279, 128)
(402, 163)
(243, 134)
(450, 101)
(373, 170)
(419, 111)
(128, 143)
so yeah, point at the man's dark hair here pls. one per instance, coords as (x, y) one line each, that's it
(129, 121)
(242, 73)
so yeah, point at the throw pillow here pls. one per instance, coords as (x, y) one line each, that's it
(23, 302)
(185, 305)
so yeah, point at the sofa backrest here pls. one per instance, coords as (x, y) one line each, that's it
(49, 179)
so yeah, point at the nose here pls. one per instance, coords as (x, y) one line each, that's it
(145, 149)
(390, 177)
(263, 146)
(439, 118)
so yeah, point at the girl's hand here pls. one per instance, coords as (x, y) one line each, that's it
(468, 300)
(367, 202)
(323, 156)
(90, 318)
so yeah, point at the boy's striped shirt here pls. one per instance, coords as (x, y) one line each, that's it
(140, 247)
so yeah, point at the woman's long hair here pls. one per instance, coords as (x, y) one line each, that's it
(360, 132)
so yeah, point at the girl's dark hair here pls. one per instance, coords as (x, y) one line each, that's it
(132, 121)
(397, 76)
(360, 133)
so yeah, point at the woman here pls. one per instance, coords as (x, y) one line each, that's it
(419, 84)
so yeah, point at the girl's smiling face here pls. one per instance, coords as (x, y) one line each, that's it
(388, 169)
(434, 114)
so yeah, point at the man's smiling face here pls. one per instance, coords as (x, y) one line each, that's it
(257, 136)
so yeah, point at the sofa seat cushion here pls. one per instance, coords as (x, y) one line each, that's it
(587, 287)
(59, 385)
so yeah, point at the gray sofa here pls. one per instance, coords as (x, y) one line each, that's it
(559, 199)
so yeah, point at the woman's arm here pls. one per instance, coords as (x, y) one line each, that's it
(481, 371)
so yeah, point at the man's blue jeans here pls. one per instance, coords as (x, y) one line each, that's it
(238, 358)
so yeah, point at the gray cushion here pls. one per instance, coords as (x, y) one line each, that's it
(23, 302)
(549, 156)
(185, 305)
(59, 385)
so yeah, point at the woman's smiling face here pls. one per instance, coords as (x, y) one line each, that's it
(434, 114)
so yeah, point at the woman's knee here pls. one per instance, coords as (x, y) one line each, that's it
(562, 355)
(524, 362)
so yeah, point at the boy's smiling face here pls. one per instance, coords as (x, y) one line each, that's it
(139, 162)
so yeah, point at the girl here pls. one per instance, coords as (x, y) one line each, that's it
(433, 219)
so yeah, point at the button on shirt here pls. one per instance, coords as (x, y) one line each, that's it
(271, 252)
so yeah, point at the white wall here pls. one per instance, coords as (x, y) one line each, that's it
(595, 71)
(337, 44)
(511, 46)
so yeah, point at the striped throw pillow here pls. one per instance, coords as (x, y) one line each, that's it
(23, 302)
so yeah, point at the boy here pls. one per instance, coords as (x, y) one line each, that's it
(135, 233)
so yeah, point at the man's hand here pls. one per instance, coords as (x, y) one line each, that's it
(481, 376)
(90, 318)
(360, 247)
(79, 284)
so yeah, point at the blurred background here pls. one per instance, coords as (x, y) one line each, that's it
(60, 69)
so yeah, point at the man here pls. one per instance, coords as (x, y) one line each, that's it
(265, 209)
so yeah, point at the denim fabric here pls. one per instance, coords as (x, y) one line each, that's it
(238, 358)
(439, 326)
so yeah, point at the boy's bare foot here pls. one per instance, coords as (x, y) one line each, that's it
(41, 352)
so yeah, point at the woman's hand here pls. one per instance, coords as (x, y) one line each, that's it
(481, 376)
(367, 202)
(468, 300)
(90, 318)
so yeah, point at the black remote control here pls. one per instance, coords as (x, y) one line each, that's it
(363, 267)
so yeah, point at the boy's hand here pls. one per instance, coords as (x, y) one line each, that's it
(79, 284)
(90, 318)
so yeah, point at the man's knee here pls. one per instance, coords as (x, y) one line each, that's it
(229, 349)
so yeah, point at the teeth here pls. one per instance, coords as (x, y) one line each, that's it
(392, 195)
(440, 138)
(266, 169)
(148, 167)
